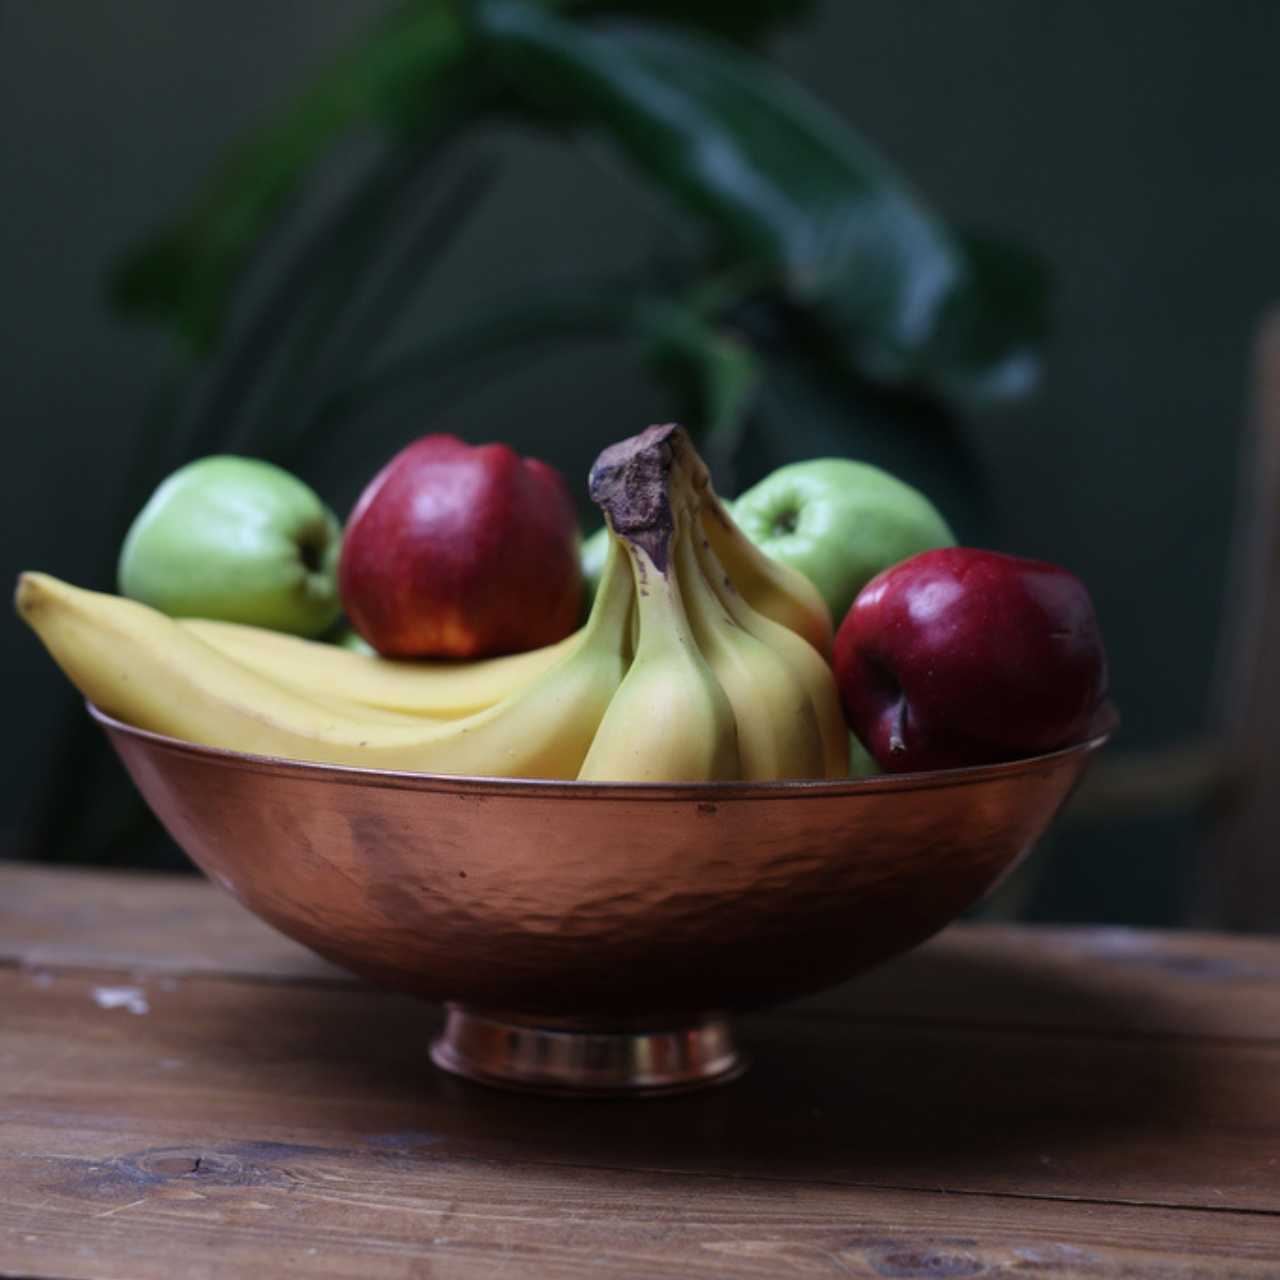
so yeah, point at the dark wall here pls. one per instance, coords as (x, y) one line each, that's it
(1131, 144)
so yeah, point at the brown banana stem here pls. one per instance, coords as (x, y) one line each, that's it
(632, 483)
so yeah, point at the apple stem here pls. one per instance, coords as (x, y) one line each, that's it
(898, 734)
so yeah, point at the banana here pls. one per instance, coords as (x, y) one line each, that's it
(804, 661)
(373, 715)
(441, 690)
(771, 588)
(778, 732)
(670, 720)
(145, 668)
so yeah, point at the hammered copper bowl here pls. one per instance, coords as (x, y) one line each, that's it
(592, 937)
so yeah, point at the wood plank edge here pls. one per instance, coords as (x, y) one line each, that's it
(35, 961)
(887, 1188)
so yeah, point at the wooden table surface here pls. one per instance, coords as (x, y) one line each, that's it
(187, 1094)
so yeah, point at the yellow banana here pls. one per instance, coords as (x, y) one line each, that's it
(145, 668)
(670, 721)
(804, 661)
(441, 690)
(771, 588)
(373, 715)
(778, 732)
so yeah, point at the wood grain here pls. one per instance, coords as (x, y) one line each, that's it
(257, 1209)
(1073, 1103)
(140, 920)
(828, 1100)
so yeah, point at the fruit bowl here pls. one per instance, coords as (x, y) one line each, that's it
(594, 937)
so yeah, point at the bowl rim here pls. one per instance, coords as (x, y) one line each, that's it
(555, 788)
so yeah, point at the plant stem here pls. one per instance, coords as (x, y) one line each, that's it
(601, 312)
(238, 371)
(323, 360)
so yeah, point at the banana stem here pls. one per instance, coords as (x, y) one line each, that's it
(631, 482)
(642, 486)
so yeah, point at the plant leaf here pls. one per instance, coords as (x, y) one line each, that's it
(250, 353)
(403, 74)
(746, 21)
(712, 370)
(513, 329)
(361, 298)
(806, 409)
(785, 183)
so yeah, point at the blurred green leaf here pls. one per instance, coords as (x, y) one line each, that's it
(234, 383)
(787, 184)
(713, 371)
(360, 298)
(405, 74)
(747, 21)
(990, 345)
(510, 331)
(808, 408)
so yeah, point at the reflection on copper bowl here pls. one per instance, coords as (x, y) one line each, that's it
(591, 937)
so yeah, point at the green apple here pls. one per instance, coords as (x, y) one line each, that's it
(239, 540)
(350, 638)
(862, 764)
(593, 553)
(840, 523)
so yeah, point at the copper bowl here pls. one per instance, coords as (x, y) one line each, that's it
(592, 937)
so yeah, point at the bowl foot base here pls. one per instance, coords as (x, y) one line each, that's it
(584, 1061)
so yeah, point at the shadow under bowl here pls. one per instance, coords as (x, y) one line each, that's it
(591, 937)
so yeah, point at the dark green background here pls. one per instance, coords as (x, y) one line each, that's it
(1132, 144)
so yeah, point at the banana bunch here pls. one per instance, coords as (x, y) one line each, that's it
(721, 686)
(701, 659)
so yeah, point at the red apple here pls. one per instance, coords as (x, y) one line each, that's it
(461, 551)
(962, 657)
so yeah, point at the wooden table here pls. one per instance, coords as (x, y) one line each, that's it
(186, 1094)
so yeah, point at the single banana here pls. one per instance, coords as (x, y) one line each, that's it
(778, 732)
(373, 715)
(804, 661)
(141, 666)
(670, 721)
(440, 690)
(769, 586)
